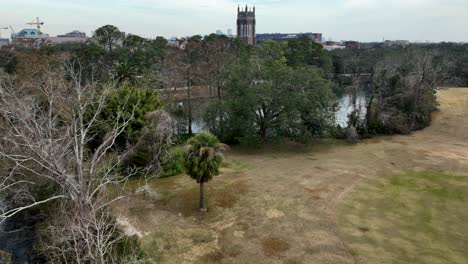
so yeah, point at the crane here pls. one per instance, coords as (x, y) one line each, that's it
(2, 28)
(13, 32)
(38, 23)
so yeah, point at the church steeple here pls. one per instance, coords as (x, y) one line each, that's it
(246, 25)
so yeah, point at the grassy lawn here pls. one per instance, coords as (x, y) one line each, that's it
(180, 226)
(324, 202)
(417, 217)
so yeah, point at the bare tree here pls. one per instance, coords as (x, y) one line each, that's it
(184, 57)
(402, 94)
(217, 53)
(44, 150)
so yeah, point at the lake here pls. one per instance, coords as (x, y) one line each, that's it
(341, 118)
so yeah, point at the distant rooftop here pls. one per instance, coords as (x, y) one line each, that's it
(30, 33)
(74, 34)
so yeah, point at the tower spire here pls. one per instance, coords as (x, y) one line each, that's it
(246, 24)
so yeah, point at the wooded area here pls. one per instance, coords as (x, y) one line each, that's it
(79, 121)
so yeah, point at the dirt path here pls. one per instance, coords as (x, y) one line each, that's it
(281, 207)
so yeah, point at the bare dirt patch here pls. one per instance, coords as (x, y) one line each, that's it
(274, 246)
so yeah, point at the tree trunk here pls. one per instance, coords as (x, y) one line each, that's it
(211, 86)
(369, 111)
(202, 196)
(219, 90)
(189, 106)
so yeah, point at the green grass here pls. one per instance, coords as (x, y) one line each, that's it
(417, 217)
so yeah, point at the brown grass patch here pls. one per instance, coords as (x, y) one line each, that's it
(364, 229)
(291, 261)
(315, 192)
(217, 194)
(274, 246)
(214, 257)
(228, 197)
(401, 142)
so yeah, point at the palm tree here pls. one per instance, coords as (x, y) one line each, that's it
(125, 72)
(204, 157)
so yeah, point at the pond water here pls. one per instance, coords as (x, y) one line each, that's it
(345, 108)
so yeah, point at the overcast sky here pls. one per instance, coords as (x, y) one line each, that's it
(362, 20)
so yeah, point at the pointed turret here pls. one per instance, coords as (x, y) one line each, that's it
(246, 24)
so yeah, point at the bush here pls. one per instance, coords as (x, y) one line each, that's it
(123, 103)
(403, 93)
(173, 162)
(128, 250)
(339, 132)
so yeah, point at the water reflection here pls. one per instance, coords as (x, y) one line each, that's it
(345, 108)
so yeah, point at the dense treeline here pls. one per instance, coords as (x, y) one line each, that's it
(265, 99)
(452, 57)
(78, 120)
(399, 84)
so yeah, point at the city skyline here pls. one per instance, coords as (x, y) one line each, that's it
(361, 20)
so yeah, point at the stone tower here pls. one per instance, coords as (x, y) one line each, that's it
(246, 25)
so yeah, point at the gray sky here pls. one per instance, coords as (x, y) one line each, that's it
(362, 20)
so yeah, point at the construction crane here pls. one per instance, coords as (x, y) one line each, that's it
(13, 32)
(38, 23)
(2, 28)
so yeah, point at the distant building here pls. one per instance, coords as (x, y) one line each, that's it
(246, 25)
(229, 32)
(396, 43)
(317, 37)
(29, 37)
(73, 34)
(219, 32)
(30, 33)
(32, 37)
(72, 37)
(61, 40)
(352, 44)
(333, 45)
(280, 37)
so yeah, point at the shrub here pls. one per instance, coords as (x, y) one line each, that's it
(121, 104)
(339, 132)
(128, 251)
(173, 162)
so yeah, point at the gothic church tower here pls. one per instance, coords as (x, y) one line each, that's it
(246, 25)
